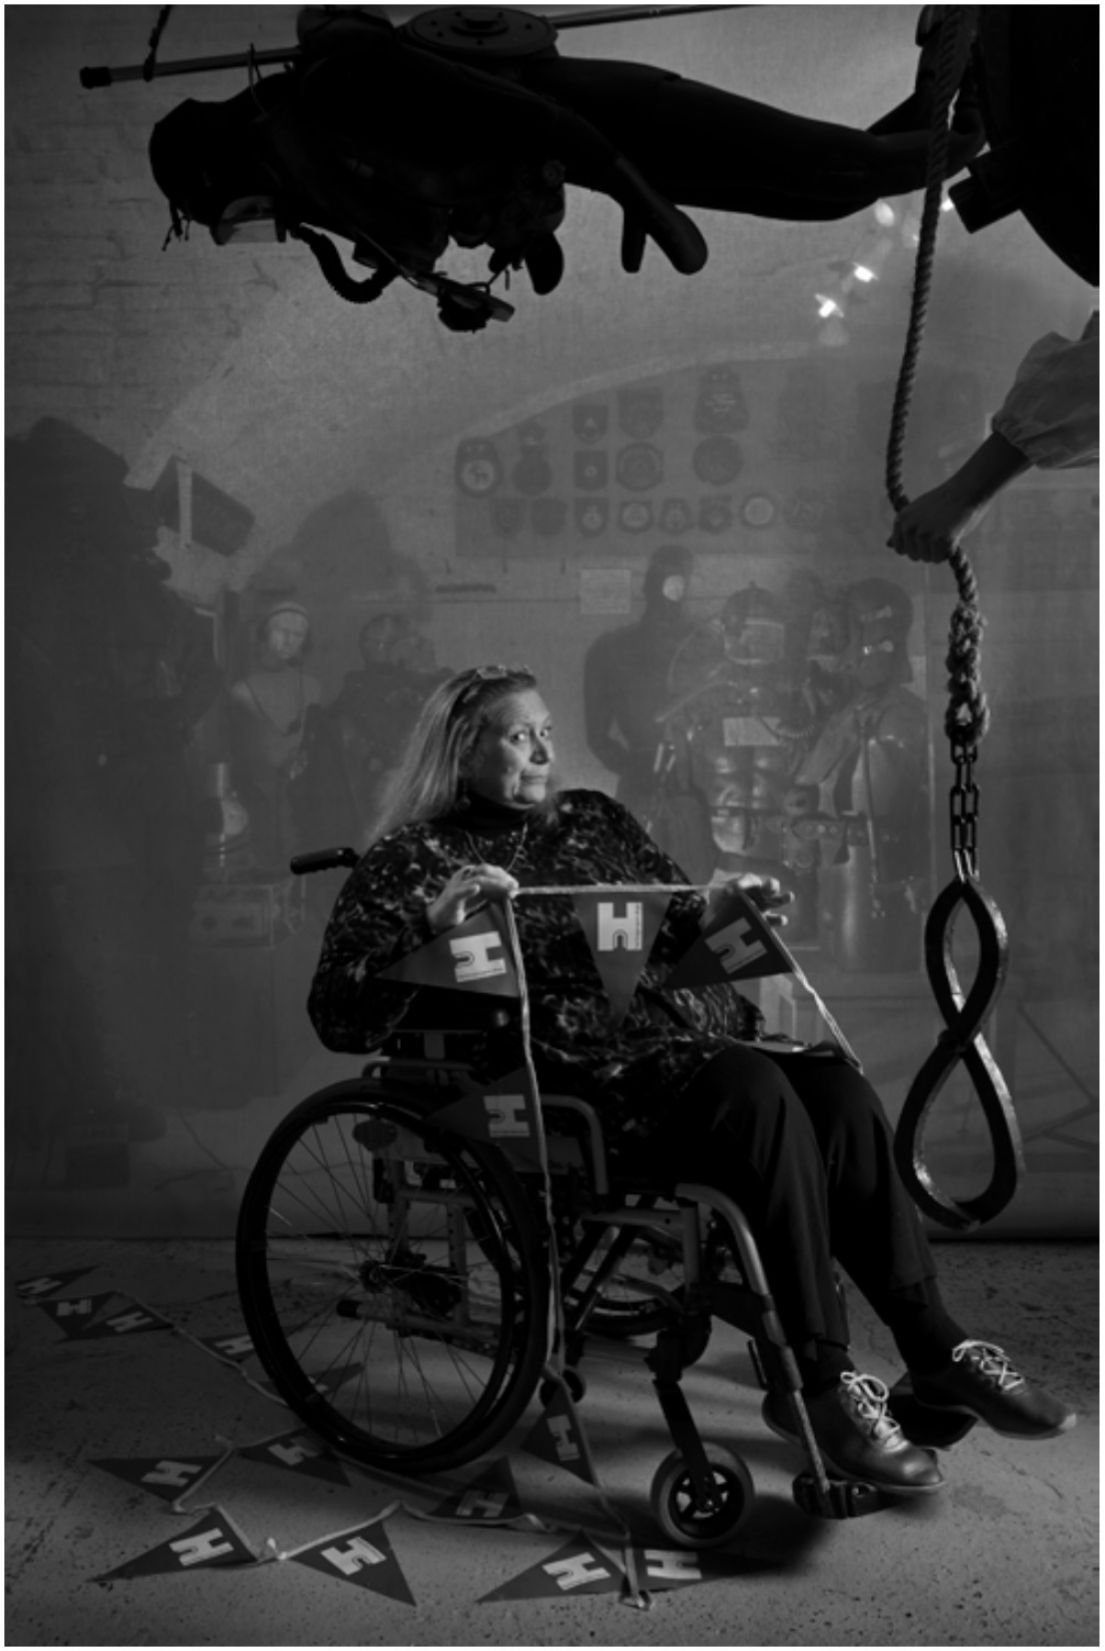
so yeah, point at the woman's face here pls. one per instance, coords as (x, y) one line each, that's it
(514, 753)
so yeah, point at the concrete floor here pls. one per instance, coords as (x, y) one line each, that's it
(1006, 1555)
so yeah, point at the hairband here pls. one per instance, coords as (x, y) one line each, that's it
(481, 675)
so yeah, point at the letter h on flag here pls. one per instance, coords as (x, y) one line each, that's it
(473, 957)
(620, 930)
(738, 943)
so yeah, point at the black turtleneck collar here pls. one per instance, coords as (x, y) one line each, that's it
(476, 813)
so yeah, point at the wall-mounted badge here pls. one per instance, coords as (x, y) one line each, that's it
(590, 421)
(547, 517)
(590, 471)
(532, 434)
(717, 460)
(635, 516)
(721, 407)
(641, 410)
(806, 508)
(640, 466)
(591, 517)
(507, 516)
(758, 510)
(715, 515)
(676, 517)
(533, 473)
(478, 468)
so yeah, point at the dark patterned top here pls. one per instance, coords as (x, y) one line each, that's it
(633, 1071)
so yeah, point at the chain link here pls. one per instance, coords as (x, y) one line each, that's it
(963, 810)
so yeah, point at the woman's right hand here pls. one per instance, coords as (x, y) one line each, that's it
(467, 889)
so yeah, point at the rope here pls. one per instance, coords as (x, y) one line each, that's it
(968, 714)
(965, 723)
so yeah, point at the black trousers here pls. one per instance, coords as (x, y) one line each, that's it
(801, 1143)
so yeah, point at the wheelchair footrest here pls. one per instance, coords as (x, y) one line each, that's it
(840, 1498)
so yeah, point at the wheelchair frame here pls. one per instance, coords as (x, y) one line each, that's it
(365, 1231)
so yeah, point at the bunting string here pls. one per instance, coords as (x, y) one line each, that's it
(700, 888)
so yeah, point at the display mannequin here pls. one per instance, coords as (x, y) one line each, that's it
(268, 714)
(868, 773)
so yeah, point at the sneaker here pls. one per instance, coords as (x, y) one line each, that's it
(858, 1437)
(979, 1381)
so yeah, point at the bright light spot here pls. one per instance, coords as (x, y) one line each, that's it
(947, 204)
(885, 213)
(862, 273)
(827, 306)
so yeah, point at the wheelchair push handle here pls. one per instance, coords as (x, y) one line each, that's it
(322, 859)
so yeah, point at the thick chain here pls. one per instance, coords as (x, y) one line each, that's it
(965, 724)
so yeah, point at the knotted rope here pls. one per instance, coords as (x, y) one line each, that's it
(966, 722)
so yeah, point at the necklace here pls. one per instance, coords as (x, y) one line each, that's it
(518, 847)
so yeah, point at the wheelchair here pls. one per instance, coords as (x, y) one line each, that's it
(394, 1276)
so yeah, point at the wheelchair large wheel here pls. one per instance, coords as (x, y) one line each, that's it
(393, 1281)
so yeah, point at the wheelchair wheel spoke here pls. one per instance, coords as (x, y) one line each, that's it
(362, 1249)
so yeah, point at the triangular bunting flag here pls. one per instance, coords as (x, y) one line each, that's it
(473, 957)
(620, 930)
(130, 1322)
(737, 944)
(504, 1113)
(329, 1381)
(579, 1567)
(363, 1556)
(166, 1476)
(300, 1453)
(32, 1290)
(557, 1436)
(233, 1349)
(74, 1314)
(326, 1381)
(663, 1568)
(212, 1541)
(492, 1497)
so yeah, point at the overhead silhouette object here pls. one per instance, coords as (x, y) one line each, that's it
(504, 125)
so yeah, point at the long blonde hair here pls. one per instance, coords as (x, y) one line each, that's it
(429, 780)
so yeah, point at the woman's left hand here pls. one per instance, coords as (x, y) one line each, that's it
(767, 894)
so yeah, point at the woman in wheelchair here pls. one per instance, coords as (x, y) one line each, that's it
(798, 1139)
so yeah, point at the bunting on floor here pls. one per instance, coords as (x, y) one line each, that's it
(665, 1568)
(579, 1567)
(212, 1543)
(131, 1321)
(362, 1555)
(231, 1349)
(489, 1499)
(168, 1477)
(557, 1436)
(297, 1452)
(32, 1290)
(74, 1314)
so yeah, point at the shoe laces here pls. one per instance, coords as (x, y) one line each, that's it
(990, 1361)
(868, 1399)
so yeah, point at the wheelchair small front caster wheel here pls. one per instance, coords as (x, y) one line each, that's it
(679, 1509)
(847, 1498)
(573, 1381)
